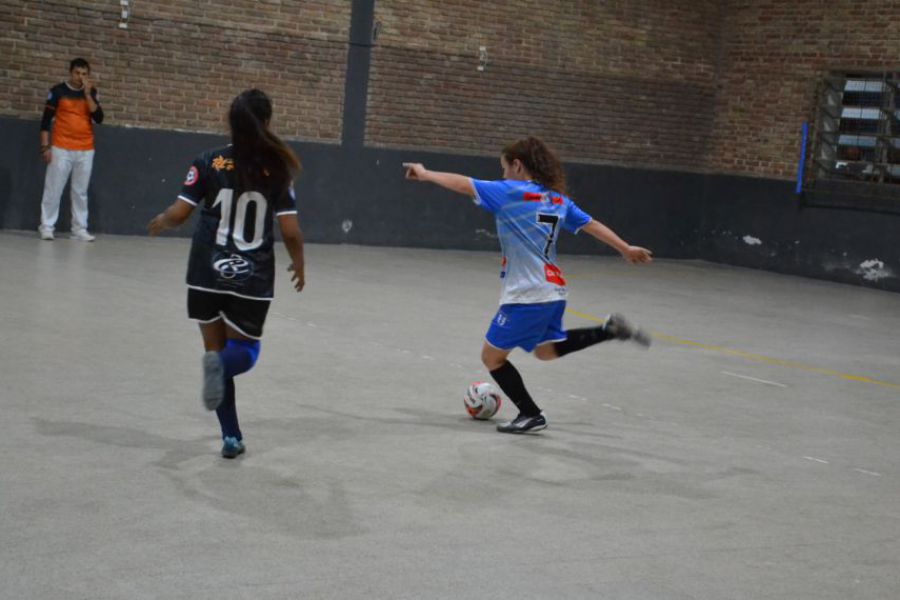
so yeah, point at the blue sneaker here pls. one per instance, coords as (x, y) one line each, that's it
(232, 448)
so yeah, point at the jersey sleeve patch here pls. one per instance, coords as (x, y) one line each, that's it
(192, 176)
(194, 187)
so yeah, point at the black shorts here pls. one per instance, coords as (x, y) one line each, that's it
(244, 315)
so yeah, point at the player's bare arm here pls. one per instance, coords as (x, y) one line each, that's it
(176, 214)
(46, 154)
(292, 237)
(49, 112)
(633, 254)
(450, 181)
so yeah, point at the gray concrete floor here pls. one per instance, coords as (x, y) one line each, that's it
(752, 453)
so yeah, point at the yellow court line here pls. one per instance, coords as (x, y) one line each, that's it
(753, 357)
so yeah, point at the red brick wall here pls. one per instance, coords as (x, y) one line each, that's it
(775, 55)
(708, 84)
(628, 81)
(179, 63)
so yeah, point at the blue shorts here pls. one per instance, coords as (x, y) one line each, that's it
(526, 325)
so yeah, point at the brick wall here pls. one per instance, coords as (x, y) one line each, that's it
(179, 63)
(775, 55)
(707, 84)
(628, 81)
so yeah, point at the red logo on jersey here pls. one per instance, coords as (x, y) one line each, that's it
(191, 178)
(553, 275)
(556, 200)
(532, 197)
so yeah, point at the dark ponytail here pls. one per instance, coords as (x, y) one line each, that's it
(540, 161)
(260, 157)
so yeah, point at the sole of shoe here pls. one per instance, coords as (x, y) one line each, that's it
(213, 381)
(232, 454)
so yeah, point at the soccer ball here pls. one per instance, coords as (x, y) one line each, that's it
(481, 400)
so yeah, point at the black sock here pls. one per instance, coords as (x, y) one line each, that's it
(509, 380)
(579, 339)
(227, 412)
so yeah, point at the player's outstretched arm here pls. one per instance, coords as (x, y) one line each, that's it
(177, 213)
(292, 236)
(450, 181)
(633, 254)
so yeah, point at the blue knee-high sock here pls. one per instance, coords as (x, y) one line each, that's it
(239, 356)
(227, 413)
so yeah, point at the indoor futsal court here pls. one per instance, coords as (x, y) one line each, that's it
(747, 454)
(461, 192)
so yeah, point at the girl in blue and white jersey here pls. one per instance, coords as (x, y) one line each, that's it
(531, 206)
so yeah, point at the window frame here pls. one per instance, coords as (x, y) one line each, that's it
(859, 141)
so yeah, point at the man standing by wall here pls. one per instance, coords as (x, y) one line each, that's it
(71, 106)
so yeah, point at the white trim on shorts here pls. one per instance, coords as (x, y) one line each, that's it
(545, 342)
(230, 293)
(498, 347)
(213, 320)
(186, 199)
(238, 329)
(286, 212)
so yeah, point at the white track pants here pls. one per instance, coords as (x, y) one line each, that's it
(78, 163)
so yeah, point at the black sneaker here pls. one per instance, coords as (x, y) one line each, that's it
(523, 424)
(620, 329)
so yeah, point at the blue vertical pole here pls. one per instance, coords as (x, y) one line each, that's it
(804, 132)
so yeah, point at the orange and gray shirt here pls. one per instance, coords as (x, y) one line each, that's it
(72, 129)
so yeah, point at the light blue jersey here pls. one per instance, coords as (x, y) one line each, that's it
(529, 218)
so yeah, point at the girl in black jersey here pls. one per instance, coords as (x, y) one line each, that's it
(241, 189)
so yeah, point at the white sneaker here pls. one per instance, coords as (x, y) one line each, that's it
(213, 381)
(46, 235)
(82, 235)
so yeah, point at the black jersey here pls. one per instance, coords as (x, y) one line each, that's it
(232, 249)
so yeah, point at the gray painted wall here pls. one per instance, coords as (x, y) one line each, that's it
(678, 215)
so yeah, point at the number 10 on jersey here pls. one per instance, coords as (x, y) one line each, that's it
(238, 232)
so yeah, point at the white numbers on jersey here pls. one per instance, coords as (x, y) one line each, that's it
(553, 221)
(240, 215)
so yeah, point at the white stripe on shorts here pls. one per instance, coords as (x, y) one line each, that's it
(238, 329)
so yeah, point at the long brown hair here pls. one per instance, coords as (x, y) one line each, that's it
(540, 161)
(260, 157)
